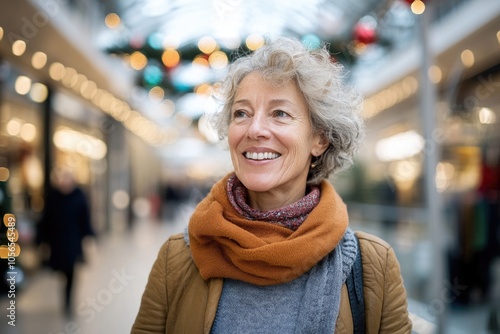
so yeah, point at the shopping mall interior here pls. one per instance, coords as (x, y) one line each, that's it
(120, 93)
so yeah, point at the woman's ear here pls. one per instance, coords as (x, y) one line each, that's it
(321, 145)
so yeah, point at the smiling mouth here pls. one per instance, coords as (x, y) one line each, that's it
(261, 155)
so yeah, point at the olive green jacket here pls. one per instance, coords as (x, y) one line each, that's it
(178, 300)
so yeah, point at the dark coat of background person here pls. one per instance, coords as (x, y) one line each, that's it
(65, 222)
(64, 225)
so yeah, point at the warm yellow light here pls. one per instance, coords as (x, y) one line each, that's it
(404, 172)
(203, 89)
(435, 74)
(106, 101)
(1, 33)
(170, 57)
(498, 36)
(88, 89)
(254, 42)
(218, 60)
(156, 93)
(39, 92)
(39, 60)
(70, 77)
(200, 60)
(467, 57)
(4, 174)
(417, 7)
(80, 80)
(112, 20)
(33, 170)
(207, 44)
(28, 132)
(444, 175)
(122, 114)
(400, 146)
(13, 127)
(69, 140)
(18, 47)
(369, 108)
(409, 85)
(22, 85)
(138, 61)
(487, 116)
(132, 119)
(57, 71)
(96, 99)
(5, 252)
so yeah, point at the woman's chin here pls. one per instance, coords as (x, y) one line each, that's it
(256, 182)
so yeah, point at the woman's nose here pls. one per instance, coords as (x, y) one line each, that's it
(259, 126)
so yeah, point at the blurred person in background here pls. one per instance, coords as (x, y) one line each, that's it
(62, 228)
(269, 249)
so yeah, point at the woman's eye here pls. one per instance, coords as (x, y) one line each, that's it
(280, 113)
(239, 114)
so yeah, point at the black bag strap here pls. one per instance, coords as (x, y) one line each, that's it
(355, 289)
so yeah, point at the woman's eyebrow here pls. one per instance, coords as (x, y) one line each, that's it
(242, 101)
(281, 101)
(272, 102)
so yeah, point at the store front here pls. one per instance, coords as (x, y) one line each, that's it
(34, 147)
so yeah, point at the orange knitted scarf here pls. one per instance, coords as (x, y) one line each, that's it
(225, 244)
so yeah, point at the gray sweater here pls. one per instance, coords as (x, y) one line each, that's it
(308, 304)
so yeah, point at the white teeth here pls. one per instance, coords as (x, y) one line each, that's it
(261, 156)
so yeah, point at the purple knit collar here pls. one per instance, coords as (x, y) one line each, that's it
(290, 216)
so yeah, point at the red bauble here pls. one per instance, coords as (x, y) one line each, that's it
(364, 34)
(409, 2)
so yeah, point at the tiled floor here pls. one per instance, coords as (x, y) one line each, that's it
(108, 289)
(111, 283)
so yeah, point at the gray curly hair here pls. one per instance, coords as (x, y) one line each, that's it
(334, 106)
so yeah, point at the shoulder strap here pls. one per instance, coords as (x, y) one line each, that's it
(355, 289)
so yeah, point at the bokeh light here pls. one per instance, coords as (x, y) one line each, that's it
(207, 44)
(435, 74)
(57, 71)
(254, 42)
(467, 57)
(138, 60)
(39, 92)
(18, 47)
(22, 85)
(311, 41)
(13, 127)
(418, 7)
(156, 93)
(170, 57)
(112, 20)
(39, 60)
(218, 60)
(4, 174)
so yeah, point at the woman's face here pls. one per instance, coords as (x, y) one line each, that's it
(271, 139)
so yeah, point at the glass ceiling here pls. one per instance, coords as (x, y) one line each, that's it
(226, 20)
(168, 44)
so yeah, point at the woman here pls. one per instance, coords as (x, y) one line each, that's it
(269, 249)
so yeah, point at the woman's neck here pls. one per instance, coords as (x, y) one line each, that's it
(272, 200)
